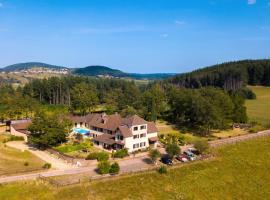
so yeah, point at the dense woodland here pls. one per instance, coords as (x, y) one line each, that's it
(230, 76)
(201, 110)
(201, 101)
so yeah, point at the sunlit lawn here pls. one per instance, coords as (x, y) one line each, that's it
(13, 161)
(237, 172)
(259, 109)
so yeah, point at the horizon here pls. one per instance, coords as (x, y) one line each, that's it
(156, 36)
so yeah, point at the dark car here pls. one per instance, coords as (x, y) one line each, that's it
(166, 160)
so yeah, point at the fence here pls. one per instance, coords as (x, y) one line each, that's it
(59, 183)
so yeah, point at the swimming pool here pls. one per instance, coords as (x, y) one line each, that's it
(81, 131)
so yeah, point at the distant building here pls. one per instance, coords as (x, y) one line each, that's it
(112, 132)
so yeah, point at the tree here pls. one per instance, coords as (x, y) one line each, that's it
(84, 98)
(173, 150)
(104, 167)
(115, 168)
(47, 131)
(154, 154)
(201, 145)
(154, 102)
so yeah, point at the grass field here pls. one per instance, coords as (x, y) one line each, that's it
(259, 109)
(13, 161)
(237, 172)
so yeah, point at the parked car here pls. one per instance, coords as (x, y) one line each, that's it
(190, 155)
(182, 158)
(194, 151)
(166, 160)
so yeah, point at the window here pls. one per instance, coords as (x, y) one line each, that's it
(135, 128)
(143, 127)
(136, 146)
(143, 135)
(142, 144)
(135, 136)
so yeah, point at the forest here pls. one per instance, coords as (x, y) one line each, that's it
(200, 110)
(230, 76)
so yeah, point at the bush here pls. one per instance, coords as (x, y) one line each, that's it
(154, 155)
(121, 153)
(173, 150)
(26, 164)
(47, 166)
(115, 168)
(162, 170)
(92, 156)
(100, 156)
(14, 138)
(103, 156)
(104, 167)
(201, 145)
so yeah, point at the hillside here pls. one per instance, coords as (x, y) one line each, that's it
(29, 65)
(99, 71)
(230, 76)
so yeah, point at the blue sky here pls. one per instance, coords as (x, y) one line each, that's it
(134, 35)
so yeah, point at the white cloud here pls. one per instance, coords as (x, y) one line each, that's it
(179, 22)
(251, 2)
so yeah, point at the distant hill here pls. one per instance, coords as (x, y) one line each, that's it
(230, 75)
(155, 76)
(29, 65)
(99, 71)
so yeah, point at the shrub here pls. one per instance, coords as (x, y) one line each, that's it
(103, 156)
(173, 150)
(201, 145)
(121, 153)
(92, 156)
(104, 167)
(162, 170)
(47, 166)
(154, 155)
(115, 168)
(100, 156)
(14, 138)
(26, 164)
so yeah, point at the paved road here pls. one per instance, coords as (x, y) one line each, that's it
(129, 165)
(43, 155)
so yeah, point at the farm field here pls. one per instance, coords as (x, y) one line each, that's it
(227, 175)
(259, 110)
(13, 161)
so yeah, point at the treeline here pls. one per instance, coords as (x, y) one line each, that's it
(200, 110)
(230, 76)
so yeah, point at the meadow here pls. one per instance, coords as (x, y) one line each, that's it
(13, 161)
(259, 110)
(237, 172)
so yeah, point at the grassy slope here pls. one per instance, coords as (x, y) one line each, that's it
(259, 109)
(12, 160)
(238, 172)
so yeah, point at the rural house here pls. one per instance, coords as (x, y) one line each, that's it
(113, 132)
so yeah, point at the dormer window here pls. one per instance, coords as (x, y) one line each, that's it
(135, 128)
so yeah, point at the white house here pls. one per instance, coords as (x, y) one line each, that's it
(113, 132)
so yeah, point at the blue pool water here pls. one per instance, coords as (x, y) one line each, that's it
(81, 131)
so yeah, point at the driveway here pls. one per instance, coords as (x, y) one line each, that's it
(43, 155)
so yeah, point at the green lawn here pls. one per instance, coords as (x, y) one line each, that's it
(13, 161)
(259, 109)
(239, 171)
